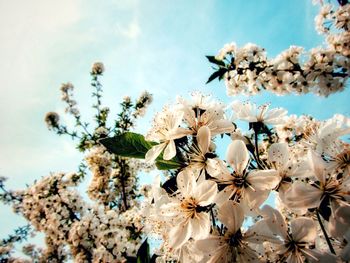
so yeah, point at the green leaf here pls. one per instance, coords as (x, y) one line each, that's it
(212, 59)
(217, 74)
(143, 255)
(167, 164)
(134, 145)
(128, 144)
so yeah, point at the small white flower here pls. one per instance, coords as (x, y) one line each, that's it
(203, 111)
(187, 209)
(250, 112)
(234, 244)
(251, 187)
(295, 240)
(166, 128)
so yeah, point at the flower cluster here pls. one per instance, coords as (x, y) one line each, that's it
(109, 228)
(210, 207)
(93, 233)
(67, 96)
(203, 210)
(322, 70)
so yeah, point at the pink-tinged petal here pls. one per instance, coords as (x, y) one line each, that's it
(188, 253)
(278, 154)
(231, 215)
(275, 221)
(237, 155)
(314, 255)
(223, 195)
(246, 111)
(221, 126)
(302, 169)
(318, 167)
(345, 254)
(176, 118)
(283, 189)
(205, 193)
(200, 225)
(342, 214)
(303, 196)
(154, 152)
(185, 183)
(259, 233)
(263, 179)
(255, 198)
(221, 254)
(295, 257)
(178, 133)
(247, 254)
(303, 229)
(215, 247)
(170, 209)
(339, 222)
(210, 244)
(218, 169)
(248, 208)
(275, 116)
(179, 234)
(170, 151)
(200, 175)
(204, 138)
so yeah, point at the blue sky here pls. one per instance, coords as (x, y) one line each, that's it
(159, 46)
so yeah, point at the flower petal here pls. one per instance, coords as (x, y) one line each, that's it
(179, 234)
(339, 222)
(205, 193)
(275, 221)
(154, 152)
(345, 254)
(178, 133)
(221, 126)
(218, 169)
(185, 183)
(303, 195)
(259, 233)
(200, 225)
(278, 154)
(204, 138)
(275, 116)
(314, 255)
(254, 198)
(215, 247)
(170, 150)
(263, 179)
(318, 166)
(223, 196)
(295, 257)
(231, 215)
(237, 155)
(303, 229)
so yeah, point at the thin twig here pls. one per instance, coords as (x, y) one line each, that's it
(258, 161)
(325, 233)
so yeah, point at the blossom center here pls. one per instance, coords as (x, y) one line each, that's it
(236, 239)
(190, 207)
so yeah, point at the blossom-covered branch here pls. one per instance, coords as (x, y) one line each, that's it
(323, 70)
